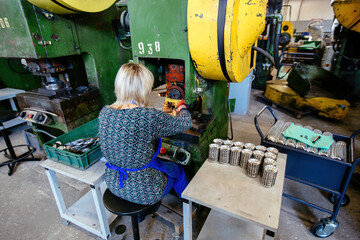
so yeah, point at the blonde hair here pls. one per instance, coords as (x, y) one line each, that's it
(133, 84)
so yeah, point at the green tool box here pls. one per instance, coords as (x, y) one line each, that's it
(79, 161)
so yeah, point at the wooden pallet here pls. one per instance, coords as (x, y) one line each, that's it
(297, 113)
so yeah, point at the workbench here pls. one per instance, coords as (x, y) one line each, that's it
(10, 94)
(89, 211)
(241, 207)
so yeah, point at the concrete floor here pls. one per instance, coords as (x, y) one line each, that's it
(28, 209)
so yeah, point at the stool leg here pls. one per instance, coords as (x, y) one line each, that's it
(8, 144)
(135, 227)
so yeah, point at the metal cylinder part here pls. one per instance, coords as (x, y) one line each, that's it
(309, 127)
(290, 142)
(340, 151)
(228, 143)
(273, 150)
(270, 155)
(274, 130)
(253, 167)
(269, 175)
(280, 138)
(267, 161)
(218, 141)
(312, 150)
(317, 131)
(235, 153)
(328, 134)
(261, 148)
(258, 155)
(325, 152)
(250, 146)
(301, 145)
(224, 154)
(245, 156)
(213, 152)
(239, 144)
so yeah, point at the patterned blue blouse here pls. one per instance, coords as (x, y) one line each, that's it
(128, 141)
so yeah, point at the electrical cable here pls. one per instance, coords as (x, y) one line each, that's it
(265, 53)
(42, 131)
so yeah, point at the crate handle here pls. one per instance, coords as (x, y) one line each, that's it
(64, 155)
(258, 115)
(353, 145)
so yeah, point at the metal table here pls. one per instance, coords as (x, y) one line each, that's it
(230, 192)
(82, 212)
(10, 94)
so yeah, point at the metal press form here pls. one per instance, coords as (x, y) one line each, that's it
(235, 156)
(224, 154)
(245, 156)
(253, 167)
(213, 152)
(269, 175)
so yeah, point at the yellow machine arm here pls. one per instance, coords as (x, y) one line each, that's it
(221, 34)
(73, 6)
(347, 13)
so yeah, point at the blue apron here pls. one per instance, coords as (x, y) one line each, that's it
(175, 173)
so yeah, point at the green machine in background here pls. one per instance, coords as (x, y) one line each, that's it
(73, 60)
(159, 39)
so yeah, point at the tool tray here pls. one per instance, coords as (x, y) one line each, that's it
(322, 172)
(79, 161)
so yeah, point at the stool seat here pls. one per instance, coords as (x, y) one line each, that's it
(122, 207)
(6, 115)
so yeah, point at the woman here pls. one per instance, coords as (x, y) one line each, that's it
(130, 134)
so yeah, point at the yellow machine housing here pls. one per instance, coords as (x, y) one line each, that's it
(73, 6)
(327, 107)
(287, 27)
(221, 37)
(347, 13)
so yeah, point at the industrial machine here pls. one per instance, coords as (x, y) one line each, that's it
(73, 58)
(193, 47)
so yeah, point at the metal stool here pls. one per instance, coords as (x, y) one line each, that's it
(5, 116)
(122, 207)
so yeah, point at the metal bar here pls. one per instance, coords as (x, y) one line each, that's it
(135, 227)
(301, 58)
(100, 210)
(308, 204)
(313, 185)
(55, 187)
(187, 218)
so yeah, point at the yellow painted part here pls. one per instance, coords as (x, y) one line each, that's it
(244, 22)
(90, 6)
(50, 7)
(347, 13)
(173, 100)
(290, 28)
(327, 107)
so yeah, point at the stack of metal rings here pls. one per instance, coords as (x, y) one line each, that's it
(269, 175)
(253, 167)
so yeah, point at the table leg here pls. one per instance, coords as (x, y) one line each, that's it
(187, 216)
(12, 103)
(55, 187)
(100, 210)
(268, 235)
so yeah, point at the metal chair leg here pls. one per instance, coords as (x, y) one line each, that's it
(135, 227)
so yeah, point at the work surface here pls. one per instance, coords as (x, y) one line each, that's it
(229, 190)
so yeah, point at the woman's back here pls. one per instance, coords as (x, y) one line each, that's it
(128, 141)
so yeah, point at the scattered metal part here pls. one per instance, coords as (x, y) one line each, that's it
(214, 152)
(235, 156)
